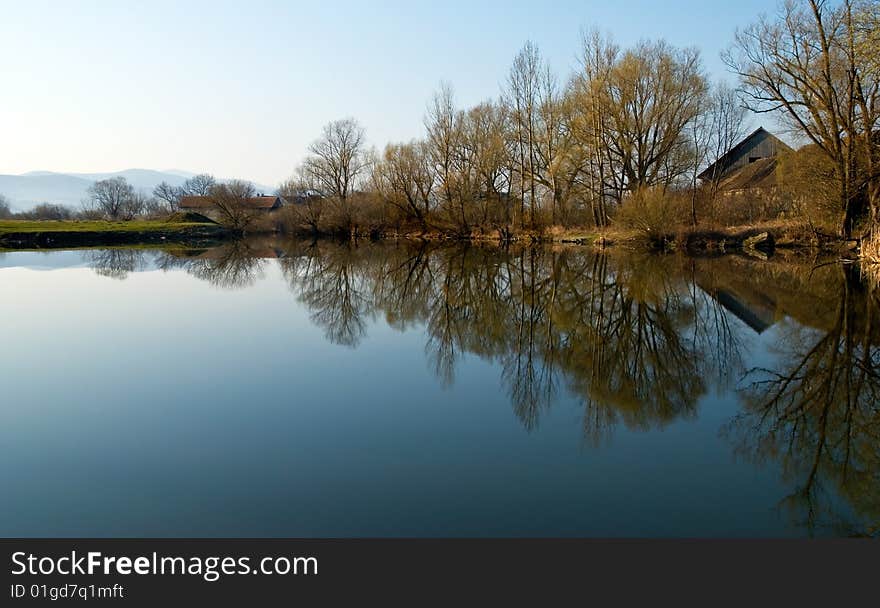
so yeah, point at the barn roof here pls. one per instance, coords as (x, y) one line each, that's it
(758, 175)
(735, 151)
(205, 202)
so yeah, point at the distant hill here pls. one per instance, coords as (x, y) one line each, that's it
(69, 189)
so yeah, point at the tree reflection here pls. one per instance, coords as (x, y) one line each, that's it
(332, 284)
(636, 340)
(818, 413)
(235, 265)
(116, 263)
(550, 318)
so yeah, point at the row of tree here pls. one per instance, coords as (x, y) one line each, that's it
(630, 121)
(544, 152)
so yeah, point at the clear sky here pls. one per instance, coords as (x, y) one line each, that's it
(240, 88)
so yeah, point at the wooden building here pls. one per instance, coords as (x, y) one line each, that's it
(758, 146)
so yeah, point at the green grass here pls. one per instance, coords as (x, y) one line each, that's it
(29, 226)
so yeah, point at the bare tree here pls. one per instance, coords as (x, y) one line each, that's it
(598, 57)
(810, 67)
(483, 164)
(306, 206)
(337, 160)
(5, 208)
(405, 179)
(115, 198)
(523, 96)
(232, 203)
(48, 211)
(171, 195)
(716, 130)
(727, 125)
(198, 185)
(652, 94)
(444, 134)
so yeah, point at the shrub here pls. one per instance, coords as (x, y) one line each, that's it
(654, 213)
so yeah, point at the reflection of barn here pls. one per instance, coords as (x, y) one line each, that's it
(757, 311)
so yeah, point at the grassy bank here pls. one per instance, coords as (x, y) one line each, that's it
(25, 234)
(755, 238)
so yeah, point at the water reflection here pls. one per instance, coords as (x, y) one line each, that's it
(640, 340)
(818, 410)
(116, 263)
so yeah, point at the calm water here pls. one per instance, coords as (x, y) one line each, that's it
(263, 389)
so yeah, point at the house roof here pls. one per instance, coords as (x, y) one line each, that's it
(205, 202)
(725, 159)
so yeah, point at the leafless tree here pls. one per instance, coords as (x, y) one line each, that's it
(306, 204)
(405, 179)
(198, 185)
(523, 95)
(598, 56)
(232, 203)
(811, 67)
(652, 94)
(717, 129)
(444, 133)
(484, 162)
(115, 198)
(727, 125)
(170, 195)
(337, 161)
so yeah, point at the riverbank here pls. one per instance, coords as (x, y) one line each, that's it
(24, 234)
(759, 240)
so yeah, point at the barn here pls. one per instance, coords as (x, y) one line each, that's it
(759, 146)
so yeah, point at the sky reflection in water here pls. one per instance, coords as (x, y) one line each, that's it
(298, 389)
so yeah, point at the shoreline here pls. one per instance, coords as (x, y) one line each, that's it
(759, 240)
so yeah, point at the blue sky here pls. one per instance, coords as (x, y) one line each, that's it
(239, 88)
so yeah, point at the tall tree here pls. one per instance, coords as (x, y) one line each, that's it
(198, 185)
(443, 127)
(523, 94)
(337, 160)
(169, 194)
(651, 95)
(115, 198)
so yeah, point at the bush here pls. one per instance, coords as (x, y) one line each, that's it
(654, 213)
(741, 208)
(808, 183)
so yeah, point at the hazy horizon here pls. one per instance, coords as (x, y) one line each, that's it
(241, 90)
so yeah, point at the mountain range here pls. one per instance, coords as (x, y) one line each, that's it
(69, 189)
